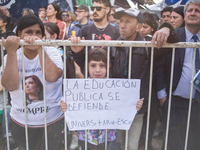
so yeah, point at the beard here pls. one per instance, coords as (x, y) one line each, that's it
(99, 19)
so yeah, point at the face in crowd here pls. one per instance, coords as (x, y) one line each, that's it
(80, 14)
(166, 17)
(66, 17)
(128, 27)
(33, 30)
(4, 10)
(176, 20)
(192, 16)
(51, 11)
(146, 29)
(99, 11)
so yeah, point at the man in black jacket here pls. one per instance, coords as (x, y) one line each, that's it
(130, 24)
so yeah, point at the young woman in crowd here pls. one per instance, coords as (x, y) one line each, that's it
(97, 68)
(54, 15)
(149, 26)
(177, 17)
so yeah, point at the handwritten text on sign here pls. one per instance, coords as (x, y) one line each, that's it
(100, 103)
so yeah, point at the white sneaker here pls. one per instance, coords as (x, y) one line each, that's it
(74, 142)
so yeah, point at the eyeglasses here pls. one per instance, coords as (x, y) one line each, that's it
(98, 8)
(79, 12)
(67, 15)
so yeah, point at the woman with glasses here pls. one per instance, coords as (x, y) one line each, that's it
(69, 18)
(54, 15)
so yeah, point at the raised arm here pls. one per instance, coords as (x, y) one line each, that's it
(10, 75)
(52, 72)
(165, 34)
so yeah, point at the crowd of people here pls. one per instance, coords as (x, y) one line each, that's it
(179, 24)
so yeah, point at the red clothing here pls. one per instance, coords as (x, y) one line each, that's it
(61, 26)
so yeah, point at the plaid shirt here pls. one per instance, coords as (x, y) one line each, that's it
(77, 26)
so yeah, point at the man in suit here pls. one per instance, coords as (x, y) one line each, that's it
(181, 85)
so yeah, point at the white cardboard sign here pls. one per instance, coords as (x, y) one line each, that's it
(100, 103)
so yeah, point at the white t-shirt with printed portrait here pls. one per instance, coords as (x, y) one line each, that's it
(35, 109)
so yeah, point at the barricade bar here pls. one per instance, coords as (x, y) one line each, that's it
(111, 43)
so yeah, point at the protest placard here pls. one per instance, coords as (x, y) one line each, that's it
(100, 103)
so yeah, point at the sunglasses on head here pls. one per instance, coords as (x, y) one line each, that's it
(67, 15)
(98, 8)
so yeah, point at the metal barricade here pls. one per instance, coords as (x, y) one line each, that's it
(109, 44)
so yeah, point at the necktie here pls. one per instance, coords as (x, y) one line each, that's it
(197, 62)
(197, 65)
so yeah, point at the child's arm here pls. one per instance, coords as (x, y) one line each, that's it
(139, 104)
(63, 106)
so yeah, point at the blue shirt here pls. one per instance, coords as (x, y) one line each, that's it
(183, 87)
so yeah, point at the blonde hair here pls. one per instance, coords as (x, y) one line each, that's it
(73, 16)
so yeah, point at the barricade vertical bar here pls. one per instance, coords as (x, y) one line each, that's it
(190, 102)
(108, 62)
(65, 76)
(170, 94)
(149, 100)
(44, 90)
(4, 97)
(108, 73)
(129, 77)
(23, 73)
(86, 75)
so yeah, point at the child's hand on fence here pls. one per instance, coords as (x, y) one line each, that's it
(139, 104)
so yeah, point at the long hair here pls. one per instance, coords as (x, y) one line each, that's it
(38, 84)
(58, 9)
(150, 20)
(5, 19)
(52, 28)
(73, 16)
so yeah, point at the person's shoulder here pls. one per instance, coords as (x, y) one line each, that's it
(87, 28)
(89, 21)
(180, 30)
(59, 21)
(112, 27)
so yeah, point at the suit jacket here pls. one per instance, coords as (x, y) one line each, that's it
(163, 69)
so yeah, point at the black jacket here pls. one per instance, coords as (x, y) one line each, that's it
(139, 66)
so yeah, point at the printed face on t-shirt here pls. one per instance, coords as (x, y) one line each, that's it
(31, 87)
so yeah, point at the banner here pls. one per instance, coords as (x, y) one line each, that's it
(100, 103)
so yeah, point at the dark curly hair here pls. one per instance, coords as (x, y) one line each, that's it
(58, 9)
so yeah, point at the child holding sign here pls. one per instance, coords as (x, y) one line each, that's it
(97, 62)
